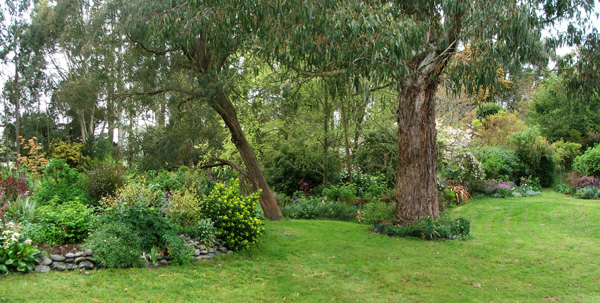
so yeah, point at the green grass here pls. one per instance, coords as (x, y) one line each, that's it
(536, 249)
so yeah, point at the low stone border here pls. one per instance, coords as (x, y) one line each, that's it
(84, 260)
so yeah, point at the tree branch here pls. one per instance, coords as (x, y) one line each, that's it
(223, 162)
(322, 74)
(154, 52)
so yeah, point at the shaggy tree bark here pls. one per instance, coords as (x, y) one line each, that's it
(416, 192)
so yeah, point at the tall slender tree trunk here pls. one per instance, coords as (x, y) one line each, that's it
(416, 189)
(223, 106)
(346, 139)
(17, 88)
(326, 115)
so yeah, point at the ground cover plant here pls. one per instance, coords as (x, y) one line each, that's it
(535, 249)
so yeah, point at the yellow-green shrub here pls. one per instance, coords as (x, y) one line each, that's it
(234, 215)
(69, 152)
(183, 207)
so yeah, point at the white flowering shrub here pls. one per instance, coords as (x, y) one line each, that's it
(457, 163)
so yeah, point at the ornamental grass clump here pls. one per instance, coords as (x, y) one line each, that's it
(233, 215)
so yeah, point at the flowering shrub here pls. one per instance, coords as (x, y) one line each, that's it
(233, 214)
(16, 252)
(587, 181)
(506, 189)
(34, 162)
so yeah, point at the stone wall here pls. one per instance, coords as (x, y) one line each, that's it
(84, 260)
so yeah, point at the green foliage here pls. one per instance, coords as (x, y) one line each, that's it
(316, 208)
(183, 208)
(23, 209)
(167, 181)
(98, 148)
(181, 252)
(294, 162)
(429, 229)
(499, 163)
(378, 153)
(448, 197)
(71, 153)
(60, 183)
(73, 218)
(103, 178)
(115, 245)
(135, 193)
(589, 163)
(204, 230)
(376, 212)
(487, 109)
(563, 188)
(171, 146)
(149, 224)
(564, 153)
(233, 215)
(343, 192)
(534, 154)
(16, 252)
(562, 116)
(43, 233)
(588, 192)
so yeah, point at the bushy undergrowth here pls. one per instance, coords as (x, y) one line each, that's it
(588, 193)
(317, 208)
(102, 178)
(115, 244)
(589, 162)
(429, 229)
(376, 212)
(204, 230)
(66, 222)
(61, 182)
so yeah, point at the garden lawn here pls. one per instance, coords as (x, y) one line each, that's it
(536, 249)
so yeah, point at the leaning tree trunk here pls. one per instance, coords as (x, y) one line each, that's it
(222, 105)
(416, 187)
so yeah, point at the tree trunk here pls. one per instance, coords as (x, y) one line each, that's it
(223, 106)
(326, 114)
(17, 94)
(346, 139)
(416, 187)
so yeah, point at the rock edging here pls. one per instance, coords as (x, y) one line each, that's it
(84, 260)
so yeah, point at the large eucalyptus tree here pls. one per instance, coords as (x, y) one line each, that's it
(410, 45)
(202, 41)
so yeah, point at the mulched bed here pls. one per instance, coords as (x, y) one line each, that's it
(60, 249)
